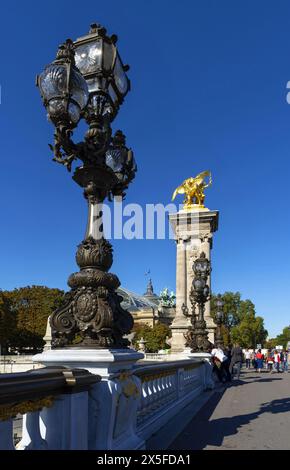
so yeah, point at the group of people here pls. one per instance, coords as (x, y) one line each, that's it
(227, 362)
(271, 360)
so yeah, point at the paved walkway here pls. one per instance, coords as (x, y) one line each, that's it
(251, 413)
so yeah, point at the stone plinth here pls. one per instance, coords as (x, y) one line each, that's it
(113, 402)
(193, 233)
(103, 362)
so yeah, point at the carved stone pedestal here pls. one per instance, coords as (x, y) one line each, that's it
(193, 231)
(113, 402)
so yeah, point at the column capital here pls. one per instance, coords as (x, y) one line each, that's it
(194, 224)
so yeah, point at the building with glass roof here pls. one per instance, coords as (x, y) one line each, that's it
(145, 308)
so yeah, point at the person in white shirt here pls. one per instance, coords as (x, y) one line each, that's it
(248, 359)
(277, 360)
(221, 366)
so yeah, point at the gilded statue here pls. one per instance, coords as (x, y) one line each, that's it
(193, 188)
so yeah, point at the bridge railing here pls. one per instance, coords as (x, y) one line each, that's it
(65, 409)
(53, 401)
(165, 389)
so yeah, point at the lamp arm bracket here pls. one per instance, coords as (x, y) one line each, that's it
(64, 149)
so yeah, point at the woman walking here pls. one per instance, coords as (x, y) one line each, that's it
(259, 359)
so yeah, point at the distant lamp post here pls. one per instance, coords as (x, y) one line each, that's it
(197, 336)
(219, 321)
(88, 81)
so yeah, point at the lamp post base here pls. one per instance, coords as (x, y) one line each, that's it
(91, 314)
(197, 338)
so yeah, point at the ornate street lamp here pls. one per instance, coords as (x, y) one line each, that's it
(197, 336)
(219, 321)
(88, 81)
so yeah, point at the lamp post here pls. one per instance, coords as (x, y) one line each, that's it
(87, 81)
(219, 321)
(197, 336)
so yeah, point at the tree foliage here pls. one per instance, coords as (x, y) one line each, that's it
(155, 336)
(281, 339)
(240, 324)
(23, 315)
(8, 323)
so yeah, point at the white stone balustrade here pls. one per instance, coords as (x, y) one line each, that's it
(54, 404)
(166, 389)
(119, 412)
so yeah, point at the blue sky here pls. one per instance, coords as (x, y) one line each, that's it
(208, 91)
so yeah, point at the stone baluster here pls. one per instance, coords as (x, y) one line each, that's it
(155, 396)
(150, 398)
(6, 435)
(31, 436)
(165, 388)
(54, 423)
(144, 399)
(79, 421)
(180, 382)
(159, 389)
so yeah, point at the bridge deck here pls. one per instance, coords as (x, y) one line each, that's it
(253, 413)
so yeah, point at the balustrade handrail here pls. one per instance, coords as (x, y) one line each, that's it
(40, 383)
(12, 358)
(142, 371)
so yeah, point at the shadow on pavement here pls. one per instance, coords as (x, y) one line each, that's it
(201, 432)
(244, 381)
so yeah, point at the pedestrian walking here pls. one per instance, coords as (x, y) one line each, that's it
(270, 362)
(286, 359)
(277, 360)
(283, 361)
(260, 360)
(237, 358)
(248, 359)
(220, 361)
(253, 360)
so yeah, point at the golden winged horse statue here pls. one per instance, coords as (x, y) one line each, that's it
(193, 188)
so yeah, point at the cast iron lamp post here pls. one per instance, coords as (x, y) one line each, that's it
(219, 321)
(88, 81)
(197, 336)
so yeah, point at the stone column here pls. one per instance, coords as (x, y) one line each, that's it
(193, 232)
(180, 323)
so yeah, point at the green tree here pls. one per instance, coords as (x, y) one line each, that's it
(240, 323)
(281, 339)
(8, 323)
(271, 343)
(155, 336)
(232, 302)
(30, 307)
(250, 331)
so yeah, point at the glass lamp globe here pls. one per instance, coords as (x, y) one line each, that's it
(198, 284)
(219, 302)
(206, 291)
(201, 265)
(98, 60)
(219, 316)
(63, 89)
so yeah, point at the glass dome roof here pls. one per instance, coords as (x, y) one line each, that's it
(134, 302)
